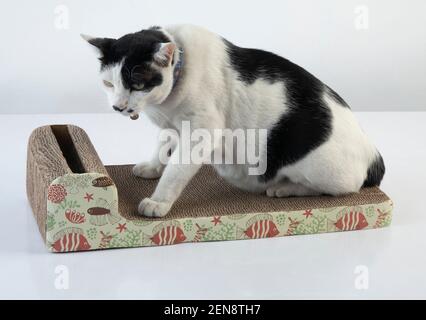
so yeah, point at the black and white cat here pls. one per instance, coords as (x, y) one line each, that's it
(186, 73)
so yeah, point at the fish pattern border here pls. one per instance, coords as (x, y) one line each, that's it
(82, 214)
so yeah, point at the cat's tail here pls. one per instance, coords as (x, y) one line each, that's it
(375, 172)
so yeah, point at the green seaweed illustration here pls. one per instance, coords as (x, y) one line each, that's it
(315, 224)
(187, 225)
(51, 222)
(281, 219)
(91, 233)
(369, 211)
(224, 231)
(66, 204)
(130, 238)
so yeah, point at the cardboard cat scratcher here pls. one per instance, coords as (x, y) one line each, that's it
(80, 204)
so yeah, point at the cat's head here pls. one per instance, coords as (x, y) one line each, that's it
(136, 69)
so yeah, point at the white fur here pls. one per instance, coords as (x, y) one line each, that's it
(117, 95)
(210, 96)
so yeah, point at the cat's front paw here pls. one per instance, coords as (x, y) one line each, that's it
(148, 170)
(152, 208)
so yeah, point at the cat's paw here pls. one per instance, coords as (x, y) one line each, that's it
(148, 170)
(280, 191)
(152, 208)
(290, 190)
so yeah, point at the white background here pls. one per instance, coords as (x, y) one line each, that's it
(44, 69)
(47, 69)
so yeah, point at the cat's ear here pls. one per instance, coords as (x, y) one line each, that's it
(164, 56)
(100, 45)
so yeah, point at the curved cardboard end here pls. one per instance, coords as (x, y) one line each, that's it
(54, 151)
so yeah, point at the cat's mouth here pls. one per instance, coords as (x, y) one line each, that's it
(127, 111)
(133, 114)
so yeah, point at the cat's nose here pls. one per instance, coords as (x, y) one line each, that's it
(118, 108)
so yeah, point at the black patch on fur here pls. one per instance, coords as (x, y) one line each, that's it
(375, 173)
(137, 50)
(103, 44)
(307, 122)
(140, 74)
(298, 132)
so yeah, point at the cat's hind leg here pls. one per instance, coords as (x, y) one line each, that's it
(289, 189)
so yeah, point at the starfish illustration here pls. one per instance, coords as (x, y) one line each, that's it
(308, 213)
(88, 196)
(121, 227)
(216, 220)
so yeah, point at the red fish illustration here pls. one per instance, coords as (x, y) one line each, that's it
(75, 216)
(102, 182)
(353, 220)
(261, 226)
(70, 239)
(168, 233)
(101, 214)
(98, 211)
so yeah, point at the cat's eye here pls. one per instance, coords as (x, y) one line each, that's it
(108, 84)
(138, 86)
